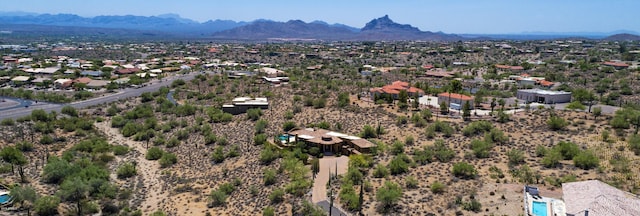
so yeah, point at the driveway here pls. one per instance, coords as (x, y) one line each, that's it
(327, 164)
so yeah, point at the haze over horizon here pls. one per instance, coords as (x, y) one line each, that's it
(455, 16)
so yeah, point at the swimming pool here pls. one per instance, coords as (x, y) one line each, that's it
(539, 208)
(4, 198)
(284, 137)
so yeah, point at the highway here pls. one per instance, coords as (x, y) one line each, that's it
(122, 94)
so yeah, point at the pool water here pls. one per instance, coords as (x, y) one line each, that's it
(284, 137)
(539, 208)
(4, 198)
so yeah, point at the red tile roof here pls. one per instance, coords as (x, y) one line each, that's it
(396, 87)
(455, 96)
(616, 64)
(127, 70)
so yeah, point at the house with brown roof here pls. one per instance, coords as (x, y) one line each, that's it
(330, 141)
(616, 64)
(394, 90)
(127, 70)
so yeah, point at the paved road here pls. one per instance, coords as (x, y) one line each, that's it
(127, 93)
(334, 211)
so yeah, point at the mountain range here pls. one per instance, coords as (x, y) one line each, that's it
(172, 25)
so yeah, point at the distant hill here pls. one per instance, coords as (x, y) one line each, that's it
(171, 23)
(623, 37)
(293, 29)
(378, 29)
(384, 28)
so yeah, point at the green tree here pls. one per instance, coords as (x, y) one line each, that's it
(493, 104)
(47, 205)
(597, 111)
(388, 195)
(15, 157)
(154, 153)
(515, 157)
(466, 111)
(75, 190)
(576, 105)
(69, 110)
(218, 155)
(25, 196)
(444, 109)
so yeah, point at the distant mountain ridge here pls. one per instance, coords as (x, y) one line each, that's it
(172, 23)
(379, 29)
(382, 28)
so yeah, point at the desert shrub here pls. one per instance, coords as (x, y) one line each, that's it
(269, 176)
(254, 114)
(218, 198)
(541, 150)
(442, 152)
(388, 195)
(126, 170)
(473, 205)
(399, 164)
(515, 157)
(568, 150)
(481, 149)
(423, 156)
(154, 153)
(348, 197)
(218, 155)
(168, 159)
(24, 146)
(288, 125)
(268, 211)
(556, 123)
(268, 155)
(464, 170)
(551, 159)
(634, 143)
(120, 150)
(47, 205)
(276, 196)
(397, 148)
(380, 171)
(586, 160)
(495, 135)
(260, 139)
(437, 187)
(411, 182)
(478, 127)
(261, 125)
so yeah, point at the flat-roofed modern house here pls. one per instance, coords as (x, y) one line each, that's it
(594, 197)
(242, 104)
(616, 64)
(543, 96)
(331, 141)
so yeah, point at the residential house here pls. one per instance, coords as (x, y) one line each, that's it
(127, 71)
(91, 73)
(242, 104)
(62, 83)
(616, 64)
(455, 100)
(97, 84)
(330, 141)
(594, 197)
(20, 80)
(394, 89)
(543, 96)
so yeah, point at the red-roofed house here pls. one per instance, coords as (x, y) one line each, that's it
(394, 89)
(127, 70)
(616, 65)
(459, 99)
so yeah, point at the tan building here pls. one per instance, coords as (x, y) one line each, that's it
(330, 141)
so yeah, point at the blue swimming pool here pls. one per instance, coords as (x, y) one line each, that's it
(4, 198)
(539, 208)
(284, 137)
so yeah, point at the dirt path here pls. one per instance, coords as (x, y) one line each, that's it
(148, 185)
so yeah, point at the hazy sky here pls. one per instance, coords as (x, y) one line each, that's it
(450, 16)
